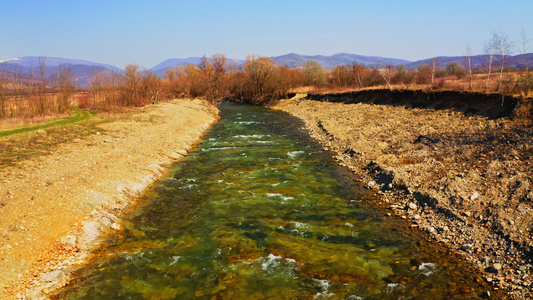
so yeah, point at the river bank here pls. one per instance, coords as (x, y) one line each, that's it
(54, 208)
(463, 179)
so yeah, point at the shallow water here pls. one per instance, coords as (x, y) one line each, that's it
(259, 211)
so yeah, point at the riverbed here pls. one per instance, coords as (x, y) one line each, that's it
(259, 210)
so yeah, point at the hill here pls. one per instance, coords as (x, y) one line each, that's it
(82, 70)
(478, 61)
(294, 60)
(172, 63)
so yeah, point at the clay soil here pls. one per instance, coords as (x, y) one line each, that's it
(466, 181)
(54, 208)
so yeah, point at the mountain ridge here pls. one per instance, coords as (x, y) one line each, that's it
(82, 70)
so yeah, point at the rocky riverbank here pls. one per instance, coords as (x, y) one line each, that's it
(55, 208)
(464, 179)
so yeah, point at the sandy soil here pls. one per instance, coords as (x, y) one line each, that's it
(54, 208)
(470, 189)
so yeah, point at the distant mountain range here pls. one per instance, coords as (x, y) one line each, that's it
(477, 61)
(83, 70)
(294, 60)
(160, 69)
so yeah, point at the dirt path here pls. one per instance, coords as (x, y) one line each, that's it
(470, 188)
(54, 208)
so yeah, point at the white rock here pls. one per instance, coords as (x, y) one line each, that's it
(496, 266)
(90, 232)
(474, 196)
(52, 276)
(412, 205)
(69, 242)
(116, 226)
(370, 184)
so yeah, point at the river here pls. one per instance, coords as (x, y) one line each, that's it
(259, 211)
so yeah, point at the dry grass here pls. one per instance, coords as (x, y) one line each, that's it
(446, 83)
(19, 147)
(18, 122)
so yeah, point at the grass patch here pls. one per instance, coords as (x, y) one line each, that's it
(25, 143)
(79, 115)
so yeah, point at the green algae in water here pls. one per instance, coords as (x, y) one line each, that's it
(259, 211)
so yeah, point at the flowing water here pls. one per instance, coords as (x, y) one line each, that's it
(259, 211)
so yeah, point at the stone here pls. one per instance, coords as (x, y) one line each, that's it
(467, 246)
(182, 152)
(116, 226)
(430, 230)
(496, 267)
(474, 196)
(412, 205)
(417, 217)
(69, 242)
(370, 184)
(54, 276)
(90, 232)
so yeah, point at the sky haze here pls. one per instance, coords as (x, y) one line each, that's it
(146, 33)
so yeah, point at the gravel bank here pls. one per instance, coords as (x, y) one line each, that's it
(55, 208)
(463, 179)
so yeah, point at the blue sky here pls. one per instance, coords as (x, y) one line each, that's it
(121, 32)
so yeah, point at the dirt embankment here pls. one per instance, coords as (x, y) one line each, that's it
(465, 179)
(54, 208)
(492, 106)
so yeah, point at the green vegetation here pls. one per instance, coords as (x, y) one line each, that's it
(79, 115)
(20, 144)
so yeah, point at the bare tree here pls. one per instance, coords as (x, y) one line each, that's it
(97, 82)
(468, 58)
(434, 69)
(39, 96)
(314, 73)
(490, 49)
(358, 73)
(525, 42)
(504, 47)
(259, 71)
(65, 88)
(3, 84)
(219, 72)
(131, 86)
(386, 73)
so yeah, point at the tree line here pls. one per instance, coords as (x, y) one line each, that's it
(36, 94)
